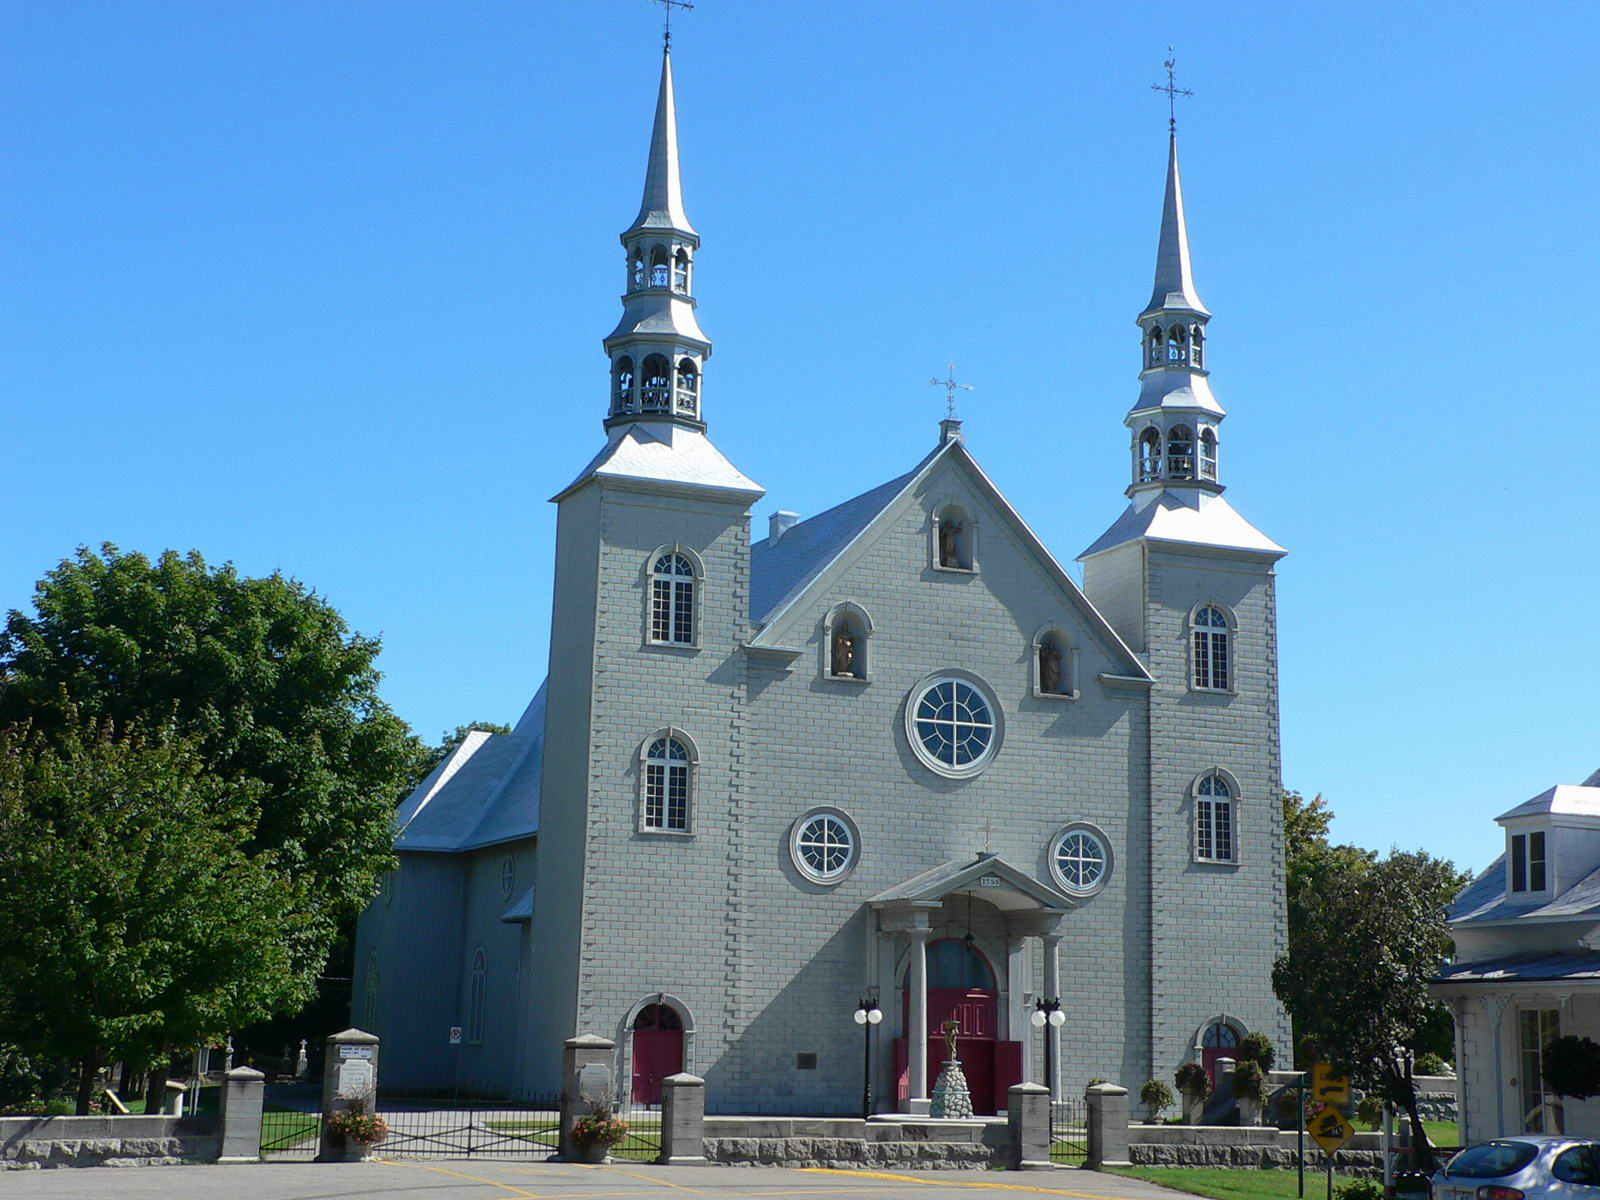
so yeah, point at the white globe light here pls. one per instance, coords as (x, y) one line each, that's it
(1037, 1019)
(875, 1015)
(861, 1016)
(1058, 1018)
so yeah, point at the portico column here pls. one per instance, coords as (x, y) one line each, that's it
(1052, 991)
(917, 1037)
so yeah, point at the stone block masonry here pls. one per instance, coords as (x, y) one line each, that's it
(29, 1143)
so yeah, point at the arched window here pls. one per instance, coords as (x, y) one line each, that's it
(1180, 452)
(956, 964)
(1149, 455)
(688, 387)
(658, 267)
(369, 1006)
(667, 768)
(1156, 341)
(1208, 454)
(636, 276)
(1209, 650)
(622, 386)
(1197, 347)
(680, 271)
(1214, 823)
(657, 395)
(672, 581)
(1177, 347)
(475, 997)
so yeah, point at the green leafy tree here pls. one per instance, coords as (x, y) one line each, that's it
(261, 674)
(135, 918)
(1362, 948)
(265, 681)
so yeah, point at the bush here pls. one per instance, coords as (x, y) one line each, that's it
(1157, 1095)
(1431, 1064)
(1572, 1067)
(1257, 1048)
(1192, 1081)
(1249, 1082)
(1359, 1189)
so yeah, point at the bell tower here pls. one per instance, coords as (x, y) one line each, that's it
(657, 350)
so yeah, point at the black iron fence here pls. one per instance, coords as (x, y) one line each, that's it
(1069, 1132)
(449, 1127)
(289, 1135)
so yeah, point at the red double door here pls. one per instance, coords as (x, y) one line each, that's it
(990, 1065)
(657, 1051)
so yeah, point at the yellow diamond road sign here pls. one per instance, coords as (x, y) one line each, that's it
(1327, 1087)
(1331, 1130)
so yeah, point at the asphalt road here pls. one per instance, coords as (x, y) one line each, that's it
(470, 1179)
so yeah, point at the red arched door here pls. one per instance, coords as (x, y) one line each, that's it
(961, 988)
(657, 1051)
(1220, 1040)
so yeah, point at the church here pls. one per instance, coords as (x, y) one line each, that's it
(889, 761)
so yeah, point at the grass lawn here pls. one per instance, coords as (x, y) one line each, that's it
(286, 1129)
(1243, 1184)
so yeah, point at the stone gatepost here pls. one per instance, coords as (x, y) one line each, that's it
(349, 1078)
(586, 1079)
(683, 1121)
(1108, 1126)
(243, 1091)
(1028, 1114)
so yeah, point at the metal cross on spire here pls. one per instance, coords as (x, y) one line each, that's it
(669, 5)
(1171, 88)
(950, 386)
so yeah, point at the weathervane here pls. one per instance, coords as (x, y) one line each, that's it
(950, 385)
(666, 34)
(1172, 89)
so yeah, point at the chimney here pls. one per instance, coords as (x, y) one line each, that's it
(779, 523)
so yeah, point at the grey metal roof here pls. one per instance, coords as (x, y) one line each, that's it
(1174, 286)
(663, 452)
(521, 910)
(782, 569)
(1565, 799)
(1484, 900)
(1200, 520)
(962, 875)
(662, 205)
(485, 792)
(1524, 968)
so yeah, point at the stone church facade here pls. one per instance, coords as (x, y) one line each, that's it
(891, 755)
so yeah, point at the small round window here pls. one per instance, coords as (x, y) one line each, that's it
(823, 845)
(1080, 860)
(952, 726)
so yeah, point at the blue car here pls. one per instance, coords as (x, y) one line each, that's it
(1529, 1166)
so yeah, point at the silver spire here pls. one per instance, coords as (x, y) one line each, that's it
(662, 206)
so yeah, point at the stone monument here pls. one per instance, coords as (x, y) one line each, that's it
(950, 1095)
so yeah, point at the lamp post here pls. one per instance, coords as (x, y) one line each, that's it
(1047, 1015)
(867, 1015)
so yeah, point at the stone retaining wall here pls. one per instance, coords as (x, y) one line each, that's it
(824, 1142)
(33, 1142)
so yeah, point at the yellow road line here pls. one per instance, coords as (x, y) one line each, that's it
(512, 1188)
(947, 1182)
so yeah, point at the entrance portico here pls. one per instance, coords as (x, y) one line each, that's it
(995, 910)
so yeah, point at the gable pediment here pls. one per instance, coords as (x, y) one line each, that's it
(886, 541)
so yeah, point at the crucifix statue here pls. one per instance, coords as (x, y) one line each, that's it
(952, 1030)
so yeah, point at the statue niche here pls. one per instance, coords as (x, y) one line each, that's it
(1049, 666)
(950, 543)
(844, 650)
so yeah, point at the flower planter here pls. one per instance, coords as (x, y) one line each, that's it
(1194, 1109)
(591, 1152)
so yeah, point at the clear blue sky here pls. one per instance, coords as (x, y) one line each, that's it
(320, 286)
